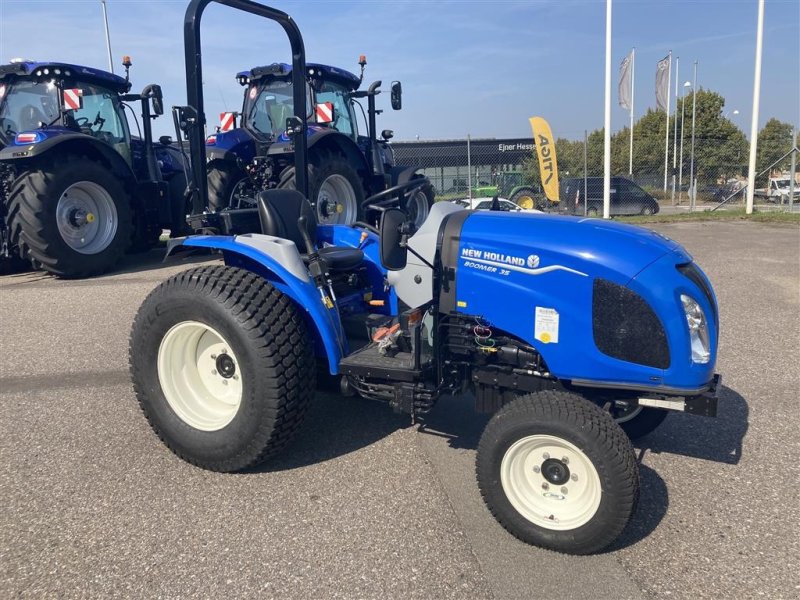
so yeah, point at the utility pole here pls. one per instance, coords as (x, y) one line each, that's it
(108, 37)
(666, 129)
(751, 171)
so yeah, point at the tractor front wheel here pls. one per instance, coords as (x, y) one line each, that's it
(73, 216)
(222, 366)
(418, 203)
(334, 188)
(557, 472)
(228, 187)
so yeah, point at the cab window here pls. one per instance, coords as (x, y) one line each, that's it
(343, 118)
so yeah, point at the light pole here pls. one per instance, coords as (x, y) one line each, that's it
(692, 182)
(688, 84)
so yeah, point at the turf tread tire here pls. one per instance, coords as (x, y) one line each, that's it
(278, 386)
(575, 419)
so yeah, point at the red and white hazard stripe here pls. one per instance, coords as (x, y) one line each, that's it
(227, 121)
(72, 99)
(324, 112)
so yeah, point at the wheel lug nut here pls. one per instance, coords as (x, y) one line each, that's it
(545, 486)
(213, 357)
(236, 377)
(223, 351)
(224, 382)
(545, 456)
(213, 371)
(574, 477)
(536, 469)
(564, 490)
(565, 460)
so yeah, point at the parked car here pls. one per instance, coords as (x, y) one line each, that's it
(627, 198)
(485, 203)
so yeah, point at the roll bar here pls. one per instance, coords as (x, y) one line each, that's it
(192, 117)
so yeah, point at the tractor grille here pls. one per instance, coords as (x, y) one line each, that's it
(625, 326)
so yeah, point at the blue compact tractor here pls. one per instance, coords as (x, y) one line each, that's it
(76, 189)
(573, 332)
(344, 165)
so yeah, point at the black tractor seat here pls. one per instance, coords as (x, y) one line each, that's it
(279, 211)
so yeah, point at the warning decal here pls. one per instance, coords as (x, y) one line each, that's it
(73, 99)
(324, 112)
(227, 121)
(546, 328)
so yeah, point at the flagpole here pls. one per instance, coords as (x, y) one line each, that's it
(108, 37)
(675, 133)
(666, 133)
(633, 93)
(607, 131)
(751, 171)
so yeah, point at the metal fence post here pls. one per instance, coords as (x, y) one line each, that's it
(792, 168)
(585, 172)
(469, 170)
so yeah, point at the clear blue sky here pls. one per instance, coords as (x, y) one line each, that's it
(473, 67)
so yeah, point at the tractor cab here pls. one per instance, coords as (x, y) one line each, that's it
(39, 100)
(268, 100)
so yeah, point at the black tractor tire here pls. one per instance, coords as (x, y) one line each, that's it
(419, 202)
(34, 218)
(525, 198)
(557, 472)
(179, 206)
(14, 264)
(639, 421)
(331, 168)
(223, 177)
(271, 360)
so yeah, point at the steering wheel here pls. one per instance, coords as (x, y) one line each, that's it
(383, 200)
(82, 122)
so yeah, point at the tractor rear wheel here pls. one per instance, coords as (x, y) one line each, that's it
(524, 198)
(557, 472)
(73, 216)
(334, 188)
(222, 366)
(228, 187)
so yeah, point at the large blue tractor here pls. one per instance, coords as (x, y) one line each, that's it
(345, 166)
(76, 189)
(572, 331)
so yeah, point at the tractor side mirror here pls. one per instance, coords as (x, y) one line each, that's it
(394, 254)
(397, 95)
(158, 100)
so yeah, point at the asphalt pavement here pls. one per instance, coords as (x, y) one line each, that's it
(364, 505)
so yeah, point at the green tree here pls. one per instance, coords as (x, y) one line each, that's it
(774, 142)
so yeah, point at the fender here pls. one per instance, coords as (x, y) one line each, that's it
(402, 174)
(248, 252)
(67, 141)
(318, 136)
(233, 146)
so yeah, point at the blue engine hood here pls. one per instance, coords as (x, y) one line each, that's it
(587, 245)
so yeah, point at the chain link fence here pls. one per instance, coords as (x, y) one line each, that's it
(482, 168)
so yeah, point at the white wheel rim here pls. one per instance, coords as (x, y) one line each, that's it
(336, 201)
(86, 217)
(417, 208)
(189, 360)
(549, 503)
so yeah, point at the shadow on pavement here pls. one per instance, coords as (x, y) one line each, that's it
(335, 426)
(718, 440)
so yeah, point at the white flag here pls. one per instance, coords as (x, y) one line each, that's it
(625, 82)
(662, 83)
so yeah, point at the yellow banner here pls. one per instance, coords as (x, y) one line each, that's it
(546, 151)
